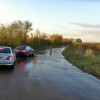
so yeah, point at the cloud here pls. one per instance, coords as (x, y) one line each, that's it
(86, 32)
(85, 25)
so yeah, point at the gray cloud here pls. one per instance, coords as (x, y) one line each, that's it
(86, 32)
(86, 25)
(91, 31)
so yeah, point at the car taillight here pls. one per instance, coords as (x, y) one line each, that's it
(1, 48)
(23, 51)
(9, 58)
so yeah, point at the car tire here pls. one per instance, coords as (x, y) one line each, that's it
(33, 54)
(26, 55)
(12, 67)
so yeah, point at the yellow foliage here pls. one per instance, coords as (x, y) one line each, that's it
(89, 52)
(98, 46)
(56, 39)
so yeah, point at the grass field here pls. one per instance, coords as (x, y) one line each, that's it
(88, 62)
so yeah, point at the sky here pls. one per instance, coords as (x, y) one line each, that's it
(71, 18)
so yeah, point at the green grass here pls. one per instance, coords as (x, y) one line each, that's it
(89, 64)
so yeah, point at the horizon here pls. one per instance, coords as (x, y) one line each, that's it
(72, 19)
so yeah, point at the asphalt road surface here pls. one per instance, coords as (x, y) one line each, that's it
(47, 76)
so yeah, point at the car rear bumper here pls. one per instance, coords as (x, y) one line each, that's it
(6, 62)
(20, 54)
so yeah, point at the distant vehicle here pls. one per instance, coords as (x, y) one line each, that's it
(7, 56)
(24, 50)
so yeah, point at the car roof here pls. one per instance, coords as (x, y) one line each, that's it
(5, 47)
(22, 46)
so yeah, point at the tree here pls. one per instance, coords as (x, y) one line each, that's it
(78, 43)
(56, 39)
(15, 33)
(67, 41)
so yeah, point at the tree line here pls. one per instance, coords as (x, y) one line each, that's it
(21, 33)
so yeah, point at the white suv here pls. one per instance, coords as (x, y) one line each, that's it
(7, 57)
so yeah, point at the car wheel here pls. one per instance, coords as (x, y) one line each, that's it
(27, 55)
(12, 67)
(32, 54)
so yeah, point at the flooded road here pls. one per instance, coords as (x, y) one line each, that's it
(47, 77)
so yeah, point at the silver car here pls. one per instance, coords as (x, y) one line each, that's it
(24, 50)
(7, 57)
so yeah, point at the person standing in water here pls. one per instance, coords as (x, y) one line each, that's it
(50, 49)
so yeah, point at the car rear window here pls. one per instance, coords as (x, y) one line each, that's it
(21, 47)
(5, 50)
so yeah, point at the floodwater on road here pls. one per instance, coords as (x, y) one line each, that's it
(47, 76)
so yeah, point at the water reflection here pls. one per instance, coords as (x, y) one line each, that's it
(44, 61)
(22, 64)
(41, 52)
(25, 61)
(25, 64)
